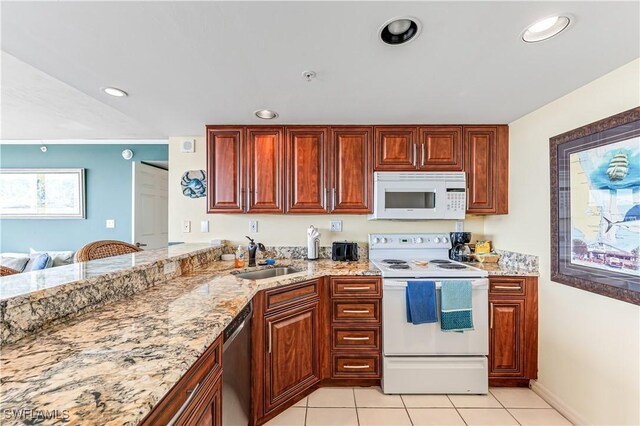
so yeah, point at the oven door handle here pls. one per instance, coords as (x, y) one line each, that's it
(476, 283)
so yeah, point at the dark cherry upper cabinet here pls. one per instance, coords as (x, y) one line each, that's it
(265, 170)
(487, 166)
(306, 169)
(440, 148)
(395, 148)
(225, 181)
(351, 169)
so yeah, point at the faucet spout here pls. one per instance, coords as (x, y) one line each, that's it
(253, 247)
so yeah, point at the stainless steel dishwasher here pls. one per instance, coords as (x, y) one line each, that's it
(236, 369)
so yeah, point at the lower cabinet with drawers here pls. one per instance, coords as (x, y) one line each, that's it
(196, 400)
(314, 333)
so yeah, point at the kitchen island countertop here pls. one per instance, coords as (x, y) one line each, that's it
(113, 365)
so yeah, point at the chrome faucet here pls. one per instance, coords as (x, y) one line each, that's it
(253, 246)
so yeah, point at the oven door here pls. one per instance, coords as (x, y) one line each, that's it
(402, 338)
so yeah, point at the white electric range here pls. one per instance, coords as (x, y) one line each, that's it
(422, 359)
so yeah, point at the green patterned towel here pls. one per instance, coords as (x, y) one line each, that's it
(455, 306)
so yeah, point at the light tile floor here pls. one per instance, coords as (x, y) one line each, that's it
(370, 407)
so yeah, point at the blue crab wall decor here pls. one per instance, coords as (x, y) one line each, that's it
(194, 184)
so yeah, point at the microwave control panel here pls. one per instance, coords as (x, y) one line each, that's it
(456, 200)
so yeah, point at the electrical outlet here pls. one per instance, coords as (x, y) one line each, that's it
(336, 225)
(204, 226)
(186, 226)
(111, 223)
(459, 226)
(253, 226)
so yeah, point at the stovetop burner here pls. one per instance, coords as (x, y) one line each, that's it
(399, 266)
(394, 261)
(440, 261)
(451, 266)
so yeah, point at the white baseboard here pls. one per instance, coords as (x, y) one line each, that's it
(553, 400)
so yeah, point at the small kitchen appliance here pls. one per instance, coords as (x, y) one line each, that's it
(344, 251)
(313, 243)
(423, 359)
(459, 249)
(419, 195)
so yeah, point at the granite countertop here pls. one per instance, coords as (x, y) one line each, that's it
(500, 269)
(112, 365)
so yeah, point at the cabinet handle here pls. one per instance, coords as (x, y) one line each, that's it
(356, 311)
(415, 154)
(333, 198)
(175, 418)
(355, 338)
(356, 288)
(269, 337)
(422, 154)
(325, 198)
(491, 316)
(507, 287)
(356, 366)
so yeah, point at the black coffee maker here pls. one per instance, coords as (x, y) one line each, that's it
(459, 249)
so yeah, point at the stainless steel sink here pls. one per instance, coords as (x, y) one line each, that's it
(267, 273)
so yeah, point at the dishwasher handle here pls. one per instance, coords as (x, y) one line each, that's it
(237, 325)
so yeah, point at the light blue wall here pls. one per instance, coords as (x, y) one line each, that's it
(108, 195)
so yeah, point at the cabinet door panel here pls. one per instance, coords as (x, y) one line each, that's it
(441, 148)
(507, 338)
(292, 346)
(307, 169)
(208, 410)
(265, 151)
(225, 183)
(481, 156)
(395, 148)
(352, 170)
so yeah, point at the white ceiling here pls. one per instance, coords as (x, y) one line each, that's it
(187, 64)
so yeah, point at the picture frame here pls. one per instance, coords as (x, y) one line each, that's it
(595, 207)
(42, 193)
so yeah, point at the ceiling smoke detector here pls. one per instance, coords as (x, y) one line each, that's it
(545, 29)
(308, 75)
(399, 31)
(266, 114)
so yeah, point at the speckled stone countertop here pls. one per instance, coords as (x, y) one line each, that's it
(501, 269)
(112, 365)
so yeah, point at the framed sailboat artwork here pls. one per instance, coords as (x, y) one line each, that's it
(595, 207)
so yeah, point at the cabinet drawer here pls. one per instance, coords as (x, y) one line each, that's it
(513, 286)
(291, 295)
(207, 366)
(355, 287)
(356, 311)
(355, 338)
(345, 365)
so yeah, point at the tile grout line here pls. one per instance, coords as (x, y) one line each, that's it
(456, 408)
(355, 404)
(406, 410)
(503, 406)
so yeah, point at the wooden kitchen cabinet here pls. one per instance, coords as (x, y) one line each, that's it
(225, 182)
(395, 148)
(513, 330)
(351, 169)
(440, 148)
(307, 169)
(285, 347)
(486, 162)
(265, 169)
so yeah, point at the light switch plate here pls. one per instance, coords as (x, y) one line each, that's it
(336, 225)
(204, 226)
(186, 226)
(111, 223)
(459, 226)
(253, 226)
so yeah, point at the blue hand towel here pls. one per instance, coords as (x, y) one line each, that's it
(421, 302)
(455, 306)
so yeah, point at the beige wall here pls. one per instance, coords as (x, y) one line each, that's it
(589, 344)
(273, 229)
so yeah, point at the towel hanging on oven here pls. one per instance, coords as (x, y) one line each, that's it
(455, 306)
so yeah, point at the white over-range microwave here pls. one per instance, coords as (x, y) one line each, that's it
(419, 195)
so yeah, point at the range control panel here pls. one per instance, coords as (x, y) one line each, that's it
(390, 241)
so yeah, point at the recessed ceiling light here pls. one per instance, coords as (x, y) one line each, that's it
(114, 91)
(545, 28)
(398, 31)
(266, 114)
